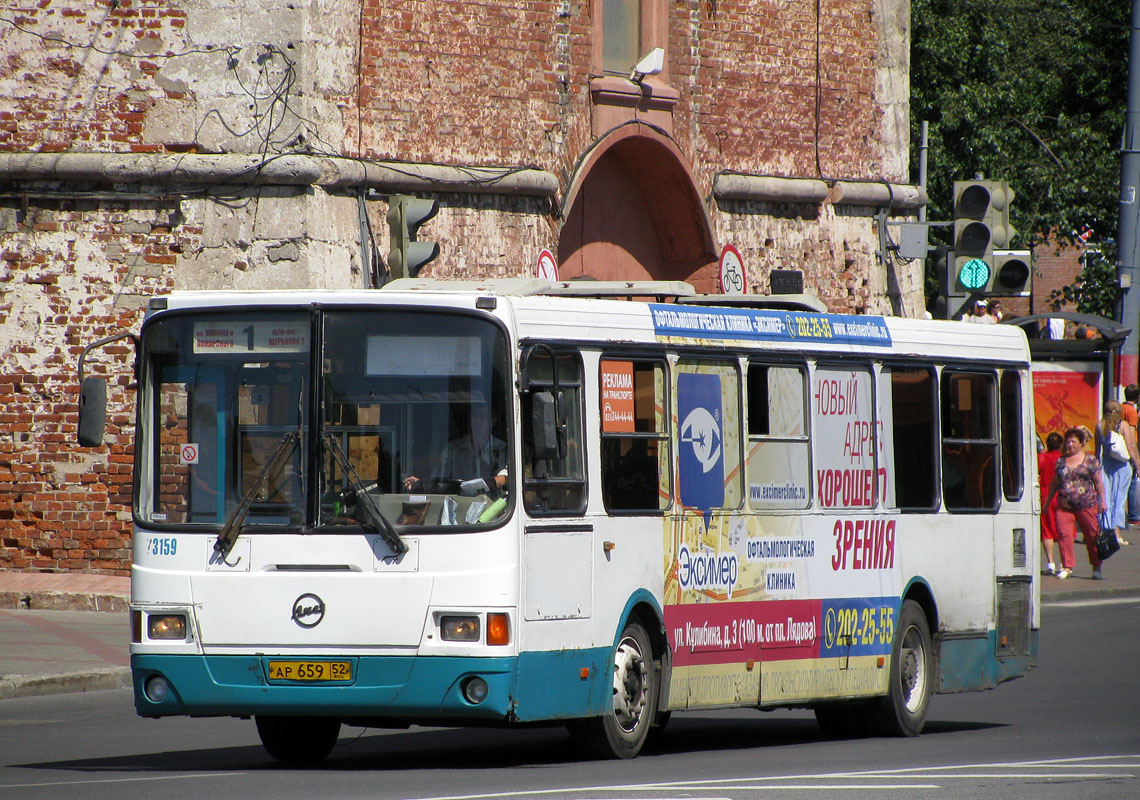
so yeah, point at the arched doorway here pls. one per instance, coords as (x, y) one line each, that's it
(634, 213)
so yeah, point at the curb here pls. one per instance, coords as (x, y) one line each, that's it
(13, 686)
(47, 600)
(1084, 595)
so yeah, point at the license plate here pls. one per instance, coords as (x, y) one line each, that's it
(310, 670)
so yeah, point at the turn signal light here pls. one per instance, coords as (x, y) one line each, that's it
(498, 629)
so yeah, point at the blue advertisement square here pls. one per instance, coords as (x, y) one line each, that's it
(701, 444)
(857, 626)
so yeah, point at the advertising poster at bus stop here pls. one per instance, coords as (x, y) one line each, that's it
(1066, 394)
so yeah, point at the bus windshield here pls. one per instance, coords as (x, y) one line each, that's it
(300, 420)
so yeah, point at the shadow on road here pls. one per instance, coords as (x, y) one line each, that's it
(486, 748)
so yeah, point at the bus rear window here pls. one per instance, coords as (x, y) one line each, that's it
(969, 441)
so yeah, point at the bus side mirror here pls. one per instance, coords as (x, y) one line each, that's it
(92, 411)
(93, 394)
(548, 444)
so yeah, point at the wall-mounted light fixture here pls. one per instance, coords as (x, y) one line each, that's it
(649, 65)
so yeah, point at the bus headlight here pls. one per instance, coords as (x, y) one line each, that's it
(459, 629)
(166, 626)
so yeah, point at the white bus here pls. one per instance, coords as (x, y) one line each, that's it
(513, 503)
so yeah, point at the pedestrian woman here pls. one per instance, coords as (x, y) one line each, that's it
(1132, 439)
(1079, 487)
(1046, 466)
(1112, 450)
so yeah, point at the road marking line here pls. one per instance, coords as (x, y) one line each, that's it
(878, 787)
(120, 780)
(757, 783)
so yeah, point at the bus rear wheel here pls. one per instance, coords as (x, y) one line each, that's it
(903, 711)
(298, 740)
(621, 733)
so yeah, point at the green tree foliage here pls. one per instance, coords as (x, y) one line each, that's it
(1027, 91)
(1094, 291)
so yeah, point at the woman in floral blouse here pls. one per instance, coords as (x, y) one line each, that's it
(1079, 485)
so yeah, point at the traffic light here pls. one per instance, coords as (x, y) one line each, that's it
(406, 214)
(940, 282)
(981, 223)
(1002, 229)
(1013, 273)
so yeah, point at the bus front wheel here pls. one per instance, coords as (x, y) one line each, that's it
(621, 733)
(298, 740)
(903, 711)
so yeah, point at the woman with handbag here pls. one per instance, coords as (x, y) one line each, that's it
(1128, 431)
(1116, 461)
(1079, 487)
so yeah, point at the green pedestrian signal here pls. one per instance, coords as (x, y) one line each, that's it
(974, 274)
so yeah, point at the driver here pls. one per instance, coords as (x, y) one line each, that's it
(475, 454)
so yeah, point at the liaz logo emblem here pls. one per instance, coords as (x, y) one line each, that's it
(701, 431)
(308, 610)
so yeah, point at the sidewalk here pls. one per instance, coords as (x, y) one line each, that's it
(1121, 575)
(69, 632)
(63, 632)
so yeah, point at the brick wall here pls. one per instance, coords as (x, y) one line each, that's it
(1055, 266)
(751, 85)
(66, 281)
(482, 81)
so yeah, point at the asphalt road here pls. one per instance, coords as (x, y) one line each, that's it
(1070, 729)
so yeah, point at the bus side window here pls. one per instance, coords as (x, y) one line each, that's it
(969, 441)
(1012, 469)
(636, 456)
(778, 459)
(910, 437)
(555, 486)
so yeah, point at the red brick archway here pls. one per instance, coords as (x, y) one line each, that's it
(634, 213)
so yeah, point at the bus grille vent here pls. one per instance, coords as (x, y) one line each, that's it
(1013, 616)
(1019, 548)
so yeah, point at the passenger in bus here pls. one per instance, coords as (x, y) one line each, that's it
(1079, 487)
(1046, 466)
(475, 454)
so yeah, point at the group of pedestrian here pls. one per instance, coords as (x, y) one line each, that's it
(986, 312)
(1088, 492)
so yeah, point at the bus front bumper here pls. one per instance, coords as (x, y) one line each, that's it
(528, 688)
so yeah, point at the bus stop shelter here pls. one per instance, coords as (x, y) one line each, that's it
(1072, 378)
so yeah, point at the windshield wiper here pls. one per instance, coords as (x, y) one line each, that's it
(232, 528)
(374, 518)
